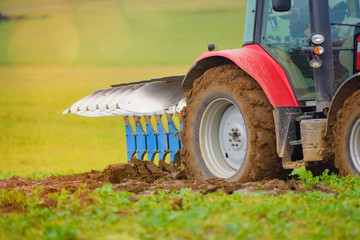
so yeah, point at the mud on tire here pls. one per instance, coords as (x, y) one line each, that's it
(230, 84)
(346, 132)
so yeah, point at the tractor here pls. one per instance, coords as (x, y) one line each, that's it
(290, 97)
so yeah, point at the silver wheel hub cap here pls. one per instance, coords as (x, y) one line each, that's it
(232, 137)
(354, 145)
(223, 138)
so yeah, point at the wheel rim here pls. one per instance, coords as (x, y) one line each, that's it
(223, 138)
(355, 145)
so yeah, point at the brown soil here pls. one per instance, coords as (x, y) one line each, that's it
(143, 177)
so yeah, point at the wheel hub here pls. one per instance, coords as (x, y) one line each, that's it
(235, 139)
(223, 138)
(232, 137)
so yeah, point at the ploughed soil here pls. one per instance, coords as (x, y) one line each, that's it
(143, 177)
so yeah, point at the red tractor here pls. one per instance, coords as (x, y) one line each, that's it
(290, 97)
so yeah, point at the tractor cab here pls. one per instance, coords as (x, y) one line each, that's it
(286, 35)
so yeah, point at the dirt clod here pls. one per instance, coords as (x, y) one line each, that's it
(133, 198)
(116, 173)
(176, 203)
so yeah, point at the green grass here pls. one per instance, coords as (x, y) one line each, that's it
(117, 32)
(36, 137)
(107, 214)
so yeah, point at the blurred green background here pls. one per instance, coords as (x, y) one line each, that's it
(116, 32)
(52, 53)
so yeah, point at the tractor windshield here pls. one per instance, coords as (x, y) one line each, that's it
(344, 17)
(285, 33)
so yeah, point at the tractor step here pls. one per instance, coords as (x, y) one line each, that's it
(293, 164)
(295, 142)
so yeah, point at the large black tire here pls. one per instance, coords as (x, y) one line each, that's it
(213, 94)
(346, 132)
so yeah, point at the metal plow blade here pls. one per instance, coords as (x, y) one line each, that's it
(153, 102)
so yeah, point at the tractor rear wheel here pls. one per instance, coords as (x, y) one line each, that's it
(346, 132)
(229, 129)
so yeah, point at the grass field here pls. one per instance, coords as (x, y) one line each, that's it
(59, 51)
(117, 32)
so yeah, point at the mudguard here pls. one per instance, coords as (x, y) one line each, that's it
(256, 62)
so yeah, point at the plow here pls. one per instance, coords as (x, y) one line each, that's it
(290, 97)
(151, 119)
